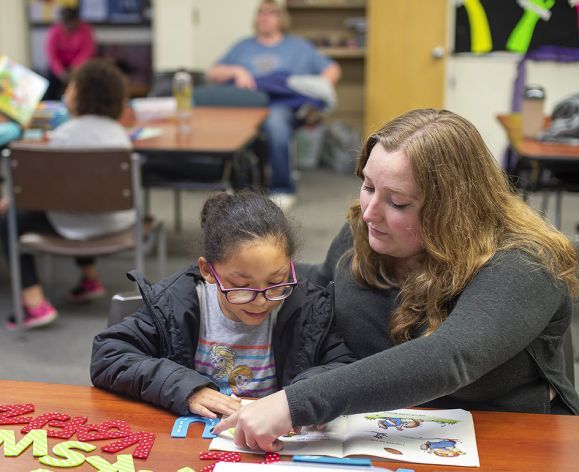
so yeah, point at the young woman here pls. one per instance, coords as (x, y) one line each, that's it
(238, 322)
(457, 291)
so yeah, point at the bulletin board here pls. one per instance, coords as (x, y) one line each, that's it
(517, 26)
(92, 11)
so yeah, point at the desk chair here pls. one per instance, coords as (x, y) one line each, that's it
(122, 305)
(97, 180)
(554, 179)
(206, 171)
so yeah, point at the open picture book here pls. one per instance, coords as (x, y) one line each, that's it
(20, 90)
(444, 437)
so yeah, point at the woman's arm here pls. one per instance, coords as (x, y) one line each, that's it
(506, 306)
(54, 61)
(333, 73)
(241, 77)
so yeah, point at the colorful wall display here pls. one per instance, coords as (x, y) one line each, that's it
(517, 26)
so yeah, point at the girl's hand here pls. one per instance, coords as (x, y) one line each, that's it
(207, 402)
(258, 425)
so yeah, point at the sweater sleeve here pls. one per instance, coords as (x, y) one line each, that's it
(54, 60)
(504, 308)
(87, 43)
(125, 359)
(324, 273)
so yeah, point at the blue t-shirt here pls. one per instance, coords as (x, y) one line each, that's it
(292, 55)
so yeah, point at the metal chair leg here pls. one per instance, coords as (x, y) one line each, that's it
(13, 253)
(177, 208)
(47, 272)
(545, 203)
(162, 251)
(558, 209)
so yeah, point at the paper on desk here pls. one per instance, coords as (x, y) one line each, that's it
(443, 437)
(137, 134)
(286, 467)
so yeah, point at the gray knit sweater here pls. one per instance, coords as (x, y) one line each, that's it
(499, 349)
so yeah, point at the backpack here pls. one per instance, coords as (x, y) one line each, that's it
(565, 122)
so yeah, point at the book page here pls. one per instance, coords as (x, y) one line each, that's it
(309, 441)
(443, 437)
(20, 90)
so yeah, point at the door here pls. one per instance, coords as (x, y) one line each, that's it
(406, 49)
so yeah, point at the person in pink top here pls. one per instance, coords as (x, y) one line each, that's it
(69, 44)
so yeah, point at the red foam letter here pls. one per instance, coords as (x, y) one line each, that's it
(113, 429)
(145, 444)
(8, 412)
(67, 426)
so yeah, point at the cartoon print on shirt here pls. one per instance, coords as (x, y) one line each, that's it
(223, 359)
(239, 380)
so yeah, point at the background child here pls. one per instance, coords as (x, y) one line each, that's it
(95, 99)
(239, 322)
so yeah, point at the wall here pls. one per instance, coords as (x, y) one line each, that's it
(14, 30)
(195, 33)
(480, 87)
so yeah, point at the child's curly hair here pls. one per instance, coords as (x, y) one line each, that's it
(100, 89)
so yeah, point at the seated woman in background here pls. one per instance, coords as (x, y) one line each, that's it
(95, 99)
(454, 290)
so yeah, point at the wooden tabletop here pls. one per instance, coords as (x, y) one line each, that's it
(506, 441)
(212, 130)
(531, 148)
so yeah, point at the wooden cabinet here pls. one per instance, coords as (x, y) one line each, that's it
(337, 29)
(406, 55)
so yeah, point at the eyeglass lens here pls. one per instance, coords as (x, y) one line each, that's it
(246, 296)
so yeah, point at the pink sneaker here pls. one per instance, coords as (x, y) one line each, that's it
(87, 290)
(35, 317)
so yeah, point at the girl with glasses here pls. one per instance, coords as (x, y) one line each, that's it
(237, 323)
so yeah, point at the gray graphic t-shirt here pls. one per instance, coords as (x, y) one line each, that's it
(237, 357)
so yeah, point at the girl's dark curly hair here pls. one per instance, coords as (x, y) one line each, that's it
(230, 220)
(100, 89)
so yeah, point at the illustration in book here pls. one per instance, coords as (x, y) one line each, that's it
(20, 90)
(444, 437)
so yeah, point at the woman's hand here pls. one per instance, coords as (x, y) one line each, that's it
(258, 425)
(207, 402)
(243, 79)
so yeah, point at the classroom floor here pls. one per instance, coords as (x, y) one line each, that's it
(60, 352)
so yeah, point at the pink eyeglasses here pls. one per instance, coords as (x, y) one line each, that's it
(239, 296)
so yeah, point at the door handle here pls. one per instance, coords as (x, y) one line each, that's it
(438, 52)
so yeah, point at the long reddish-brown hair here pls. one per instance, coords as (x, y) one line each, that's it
(469, 213)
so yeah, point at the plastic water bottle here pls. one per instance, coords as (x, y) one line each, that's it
(183, 93)
(532, 114)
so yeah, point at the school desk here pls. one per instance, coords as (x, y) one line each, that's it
(506, 441)
(220, 133)
(541, 156)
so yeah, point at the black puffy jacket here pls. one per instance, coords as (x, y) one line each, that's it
(150, 354)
